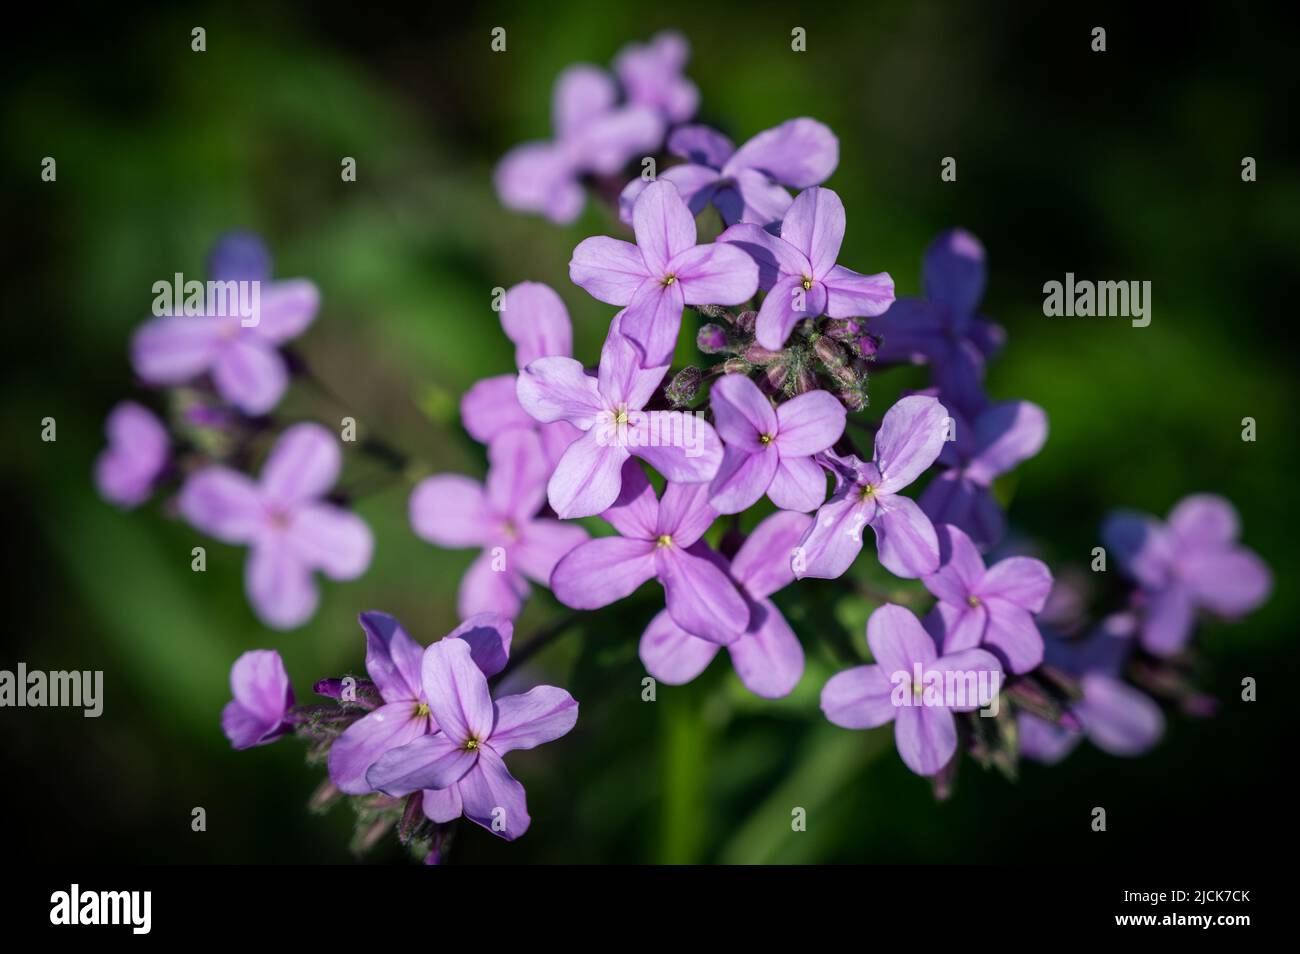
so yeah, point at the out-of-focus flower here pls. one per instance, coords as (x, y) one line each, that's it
(246, 367)
(745, 184)
(291, 531)
(769, 451)
(262, 698)
(659, 540)
(662, 273)
(909, 440)
(909, 685)
(767, 656)
(651, 74)
(126, 470)
(798, 269)
(1193, 561)
(500, 518)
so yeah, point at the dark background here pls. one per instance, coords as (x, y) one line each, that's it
(1119, 165)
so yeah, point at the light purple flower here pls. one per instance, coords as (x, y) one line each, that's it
(769, 451)
(1003, 436)
(607, 408)
(126, 470)
(246, 367)
(798, 270)
(659, 540)
(291, 531)
(651, 74)
(500, 518)
(460, 767)
(992, 607)
(767, 656)
(262, 698)
(662, 273)
(393, 660)
(910, 438)
(592, 135)
(745, 184)
(869, 696)
(1191, 562)
(943, 329)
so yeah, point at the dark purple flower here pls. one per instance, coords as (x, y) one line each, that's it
(992, 607)
(244, 362)
(659, 540)
(1191, 562)
(766, 656)
(262, 698)
(137, 451)
(500, 519)
(770, 451)
(608, 409)
(910, 438)
(798, 270)
(460, 767)
(592, 135)
(746, 184)
(291, 531)
(913, 686)
(1002, 436)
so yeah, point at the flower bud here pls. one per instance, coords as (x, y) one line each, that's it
(712, 339)
(735, 366)
(682, 388)
(757, 354)
(745, 322)
(843, 329)
(774, 377)
(829, 353)
(710, 311)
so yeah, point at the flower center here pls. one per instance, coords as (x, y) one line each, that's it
(619, 415)
(280, 519)
(421, 709)
(807, 283)
(973, 600)
(665, 540)
(918, 690)
(669, 279)
(765, 438)
(471, 744)
(867, 491)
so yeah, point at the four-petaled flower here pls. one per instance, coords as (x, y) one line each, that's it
(262, 699)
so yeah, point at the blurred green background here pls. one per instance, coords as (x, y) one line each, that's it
(1121, 165)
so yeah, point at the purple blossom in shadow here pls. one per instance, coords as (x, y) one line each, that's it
(393, 661)
(607, 408)
(766, 656)
(660, 539)
(246, 367)
(137, 452)
(865, 697)
(868, 494)
(662, 273)
(770, 450)
(500, 518)
(1003, 435)
(290, 529)
(459, 768)
(592, 135)
(798, 271)
(746, 184)
(943, 328)
(993, 607)
(262, 698)
(1191, 562)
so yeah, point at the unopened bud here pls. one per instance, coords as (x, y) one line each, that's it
(867, 345)
(745, 321)
(843, 329)
(774, 377)
(852, 399)
(712, 339)
(735, 366)
(710, 311)
(682, 388)
(757, 354)
(829, 353)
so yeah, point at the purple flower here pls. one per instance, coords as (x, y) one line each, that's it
(943, 328)
(535, 319)
(1003, 435)
(393, 660)
(745, 184)
(592, 135)
(607, 407)
(910, 438)
(767, 656)
(798, 270)
(262, 697)
(500, 518)
(660, 539)
(245, 366)
(770, 451)
(460, 767)
(911, 685)
(126, 470)
(651, 74)
(1191, 562)
(993, 608)
(290, 529)
(663, 272)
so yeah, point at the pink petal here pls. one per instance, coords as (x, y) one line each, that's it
(332, 540)
(671, 654)
(784, 306)
(450, 511)
(393, 658)
(491, 406)
(602, 571)
(491, 585)
(762, 201)
(717, 274)
(926, 737)
(741, 412)
(768, 658)
(700, 597)
(798, 484)
(798, 153)
(859, 698)
(622, 379)
(250, 374)
(815, 226)
(457, 692)
(685, 513)
(517, 474)
(224, 504)
(850, 295)
(582, 93)
(762, 565)
(909, 440)
(636, 511)
(954, 271)
(608, 269)
(558, 389)
(303, 465)
(361, 745)
(489, 636)
(743, 477)
(433, 760)
(905, 539)
(279, 585)
(681, 445)
(287, 309)
(834, 539)
(898, 641)
(1020, 580)
(1006, 434)
(542, 544)
(588, 477)
(960, 567)
(775, 257)
(538, 716)
(535, 319)
(174, 350)
(1205, 521)
(663, 225)
(653, 319)
(493, 799)
(809, 423)
(1012, 632)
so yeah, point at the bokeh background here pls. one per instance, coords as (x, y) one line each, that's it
(1120, 165)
